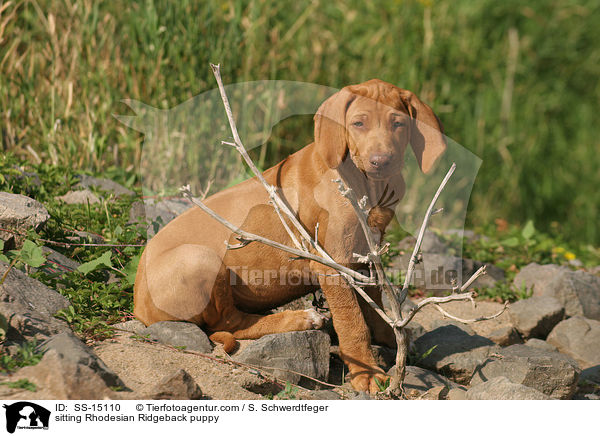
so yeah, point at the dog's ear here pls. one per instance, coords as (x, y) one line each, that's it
(426, 132)
(330, 128)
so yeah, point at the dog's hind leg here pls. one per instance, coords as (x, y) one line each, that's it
(239, 325)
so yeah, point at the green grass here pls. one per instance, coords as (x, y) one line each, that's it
(25, 355)
(22, 383)
(514, 83)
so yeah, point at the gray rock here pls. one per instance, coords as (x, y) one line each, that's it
(591, 374)
(177, 386)
(361, 396)
(179, 334)
(422, 380)
(577, 291)
(304, 352)
(431, 244)
(132, 326)
(156, 214)
(83, 196)
(384, 357)
(444, 322)
(535, 317)
(20, 213)
(29, 306)
(69, 348)
(456, 354)
(579, 338)
(107, 185)
(63, 379)
(438, 271)
(540, 344)
(553, 374)
(324, 395)
(505, 336)
(501, 388)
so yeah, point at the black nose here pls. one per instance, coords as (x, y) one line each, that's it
(380, 160)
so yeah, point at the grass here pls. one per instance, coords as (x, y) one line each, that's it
(25, 355)
(514, 83)
(22, 383)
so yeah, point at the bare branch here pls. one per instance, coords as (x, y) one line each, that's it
(247, 236)
(470, 321)
(413, 257)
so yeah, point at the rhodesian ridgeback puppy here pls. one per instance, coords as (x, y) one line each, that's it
(187, 273)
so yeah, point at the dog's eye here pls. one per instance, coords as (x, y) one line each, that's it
(397, 124)
(358, 124)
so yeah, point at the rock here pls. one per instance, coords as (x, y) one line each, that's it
(577, 291)
(438, 271)
(553, 374)
(132, 326)
(107, 185)
(29, 306)
(384, 357)
(305, 352)
(177, 386)
(422, 380)
(456, 354)
(459, 394)
(324, 395)
(445, 322)
(591, 374)
(69, 348)
(64, 379)
(83, 196)
(579, 338)
(179, 334)
(156, 214)
(436, 393)
(541, 345)
(536, 316)
(20, 213)
(431, 244)
(501, 388)
(361, 396)
(505, 336)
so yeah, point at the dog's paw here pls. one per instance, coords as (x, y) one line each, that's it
(314, 319)
(372, 382)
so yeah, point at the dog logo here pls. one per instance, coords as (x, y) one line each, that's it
(26, 415)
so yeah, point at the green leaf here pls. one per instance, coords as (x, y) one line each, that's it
(528, 230)
(32, 255)
(510, 242)
(130, 269)
(93, 265)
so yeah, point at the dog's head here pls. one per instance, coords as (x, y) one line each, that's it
(374, 122)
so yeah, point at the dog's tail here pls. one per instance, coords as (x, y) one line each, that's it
(225, 338)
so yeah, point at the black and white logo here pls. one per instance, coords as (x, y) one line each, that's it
(26, 415)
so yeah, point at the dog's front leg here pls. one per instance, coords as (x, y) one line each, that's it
(352, 330)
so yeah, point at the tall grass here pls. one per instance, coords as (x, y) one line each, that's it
(516, 83)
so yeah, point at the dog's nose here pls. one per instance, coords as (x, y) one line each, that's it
(380, 160)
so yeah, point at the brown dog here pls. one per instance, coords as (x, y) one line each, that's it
(186, 272)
